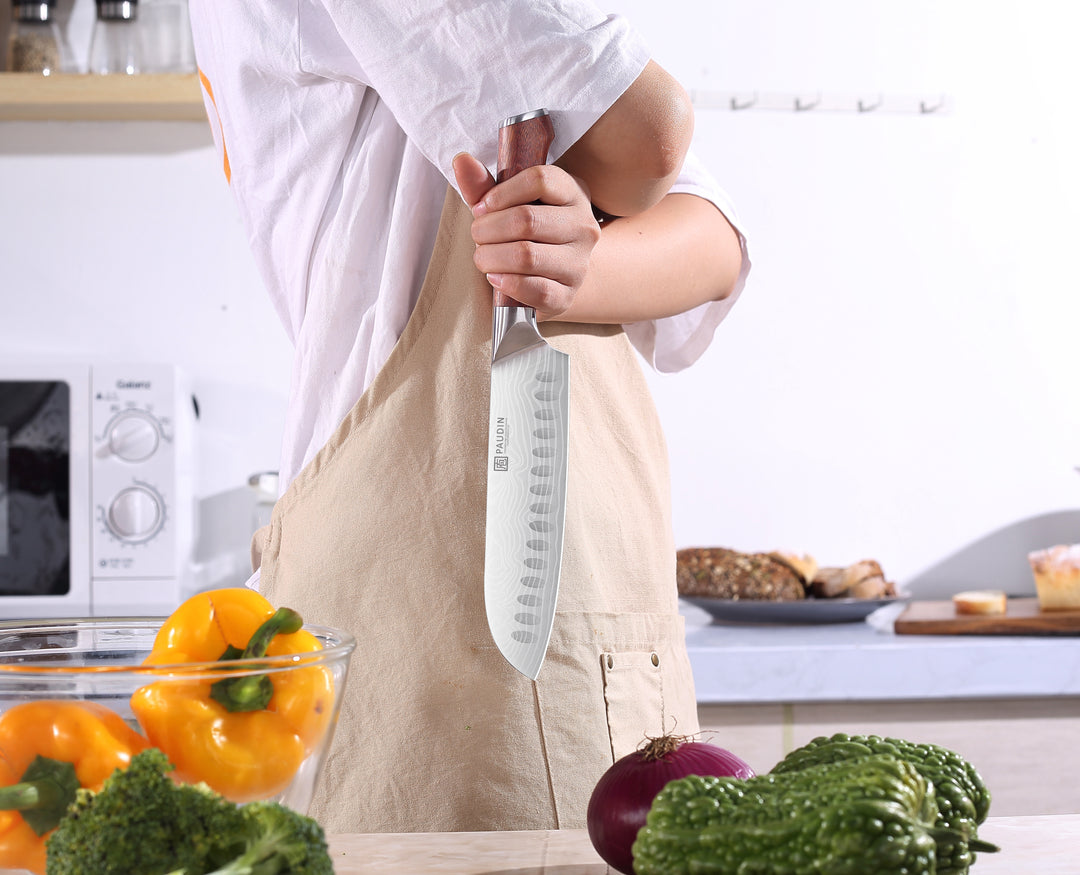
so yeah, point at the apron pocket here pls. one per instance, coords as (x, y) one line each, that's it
(609, 680)
(633, 698)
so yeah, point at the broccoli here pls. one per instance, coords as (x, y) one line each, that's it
(142, 823)
(278, 841)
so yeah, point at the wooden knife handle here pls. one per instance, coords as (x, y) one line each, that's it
(524, 141)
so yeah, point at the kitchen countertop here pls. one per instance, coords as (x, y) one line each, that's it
(1029, 845)
(841, 662)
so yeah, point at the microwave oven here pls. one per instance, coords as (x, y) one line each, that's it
(96, 504)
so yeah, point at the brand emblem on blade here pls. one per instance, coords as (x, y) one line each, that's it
(502, 460)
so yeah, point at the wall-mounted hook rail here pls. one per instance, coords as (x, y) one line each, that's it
(811, 103)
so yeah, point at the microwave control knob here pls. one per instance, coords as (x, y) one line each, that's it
(133, 437)
(135, 514)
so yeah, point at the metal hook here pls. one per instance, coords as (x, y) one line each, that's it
(804, 107)
(745, 104)
(926, 108)
(867, 106)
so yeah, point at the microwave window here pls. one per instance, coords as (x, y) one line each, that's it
(3, 492)
(35, 474)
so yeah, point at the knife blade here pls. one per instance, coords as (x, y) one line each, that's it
(528, 426)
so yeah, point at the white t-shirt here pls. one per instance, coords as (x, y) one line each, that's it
(337, 121)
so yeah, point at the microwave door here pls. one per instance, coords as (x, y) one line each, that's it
(41, 574)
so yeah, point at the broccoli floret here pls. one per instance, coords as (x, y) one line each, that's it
(142, 823)
(279, 842)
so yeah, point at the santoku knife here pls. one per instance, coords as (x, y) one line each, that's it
(527, 450)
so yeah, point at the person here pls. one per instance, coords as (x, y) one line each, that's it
(358, 141)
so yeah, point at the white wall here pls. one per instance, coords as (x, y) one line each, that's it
(897, 380)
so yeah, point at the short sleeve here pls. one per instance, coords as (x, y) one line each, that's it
(676, 342)
(450, 72)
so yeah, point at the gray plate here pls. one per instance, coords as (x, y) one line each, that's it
(802, 611)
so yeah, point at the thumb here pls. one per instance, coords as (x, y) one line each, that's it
(473, 178)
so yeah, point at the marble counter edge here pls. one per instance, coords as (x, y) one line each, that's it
(844, 662)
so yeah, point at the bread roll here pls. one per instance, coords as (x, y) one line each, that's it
(875, 587)
(861, 580)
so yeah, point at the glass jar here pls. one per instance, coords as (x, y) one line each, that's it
(34, 38)
(166, 33)
(115, 46)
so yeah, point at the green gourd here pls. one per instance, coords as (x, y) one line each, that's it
(875, 815)
(962, 798)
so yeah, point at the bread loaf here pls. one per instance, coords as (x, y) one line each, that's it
(1057, 577)
(717, 572)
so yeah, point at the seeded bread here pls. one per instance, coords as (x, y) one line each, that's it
(717, 572)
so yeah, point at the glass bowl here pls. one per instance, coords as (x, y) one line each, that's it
(274, 752)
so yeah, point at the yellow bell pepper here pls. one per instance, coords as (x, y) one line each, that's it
(48, 749)
(245, 736)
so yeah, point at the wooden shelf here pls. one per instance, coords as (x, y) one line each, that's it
(67, 97)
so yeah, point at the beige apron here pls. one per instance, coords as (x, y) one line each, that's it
(382, 534)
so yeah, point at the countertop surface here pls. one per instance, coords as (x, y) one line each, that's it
(1029, 845)
(736, 662)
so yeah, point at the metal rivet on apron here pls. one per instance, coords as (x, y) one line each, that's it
(610, 662)
(655, 659)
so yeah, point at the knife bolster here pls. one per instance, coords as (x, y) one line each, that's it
(513, 330)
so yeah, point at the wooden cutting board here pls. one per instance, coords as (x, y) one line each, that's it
(1022, 617)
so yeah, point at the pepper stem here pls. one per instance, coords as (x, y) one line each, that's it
(254, 692)
(43, 794)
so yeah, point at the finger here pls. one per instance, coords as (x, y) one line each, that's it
(539, 223)
(545, 183)
(548, 297)
(524, 258)
(473, 178)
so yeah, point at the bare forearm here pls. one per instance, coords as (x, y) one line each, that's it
(675, 256)
(633, 153)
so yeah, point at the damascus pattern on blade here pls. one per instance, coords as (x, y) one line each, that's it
(526, 501)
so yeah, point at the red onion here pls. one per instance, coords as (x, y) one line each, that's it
(624, 794)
